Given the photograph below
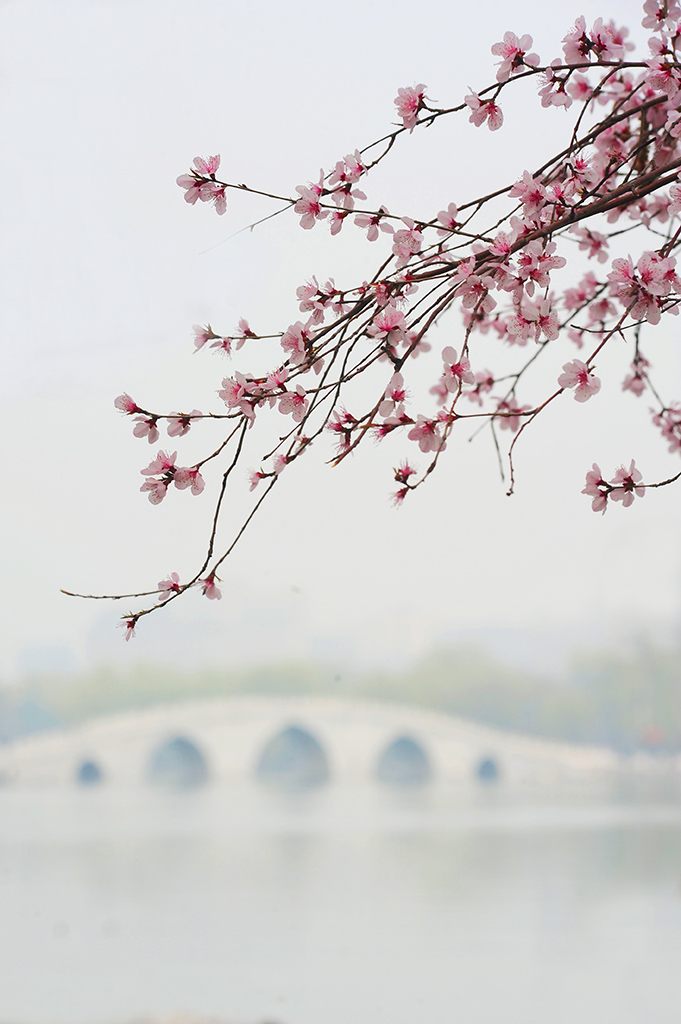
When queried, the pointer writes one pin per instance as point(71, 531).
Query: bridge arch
point(293, 759)
point(404, 762)
point(89, 773)
point(488, 770)
point(230, 736)
point(179, 763)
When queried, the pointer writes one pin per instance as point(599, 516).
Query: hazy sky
point(105, 269)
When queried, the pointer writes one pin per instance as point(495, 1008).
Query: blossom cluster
point(625, 486)
point(200, 183)
point(162, 472)
point(579, 252)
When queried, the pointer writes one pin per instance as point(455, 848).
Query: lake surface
point(341, 906)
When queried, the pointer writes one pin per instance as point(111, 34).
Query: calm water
point(338, 907)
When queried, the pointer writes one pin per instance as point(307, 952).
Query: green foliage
point(625, 701)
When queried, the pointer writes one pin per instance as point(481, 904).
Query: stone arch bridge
point(304, 741)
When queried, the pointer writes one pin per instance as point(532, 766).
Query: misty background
point(105, 269)
point(238, 901)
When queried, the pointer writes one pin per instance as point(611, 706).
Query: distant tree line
point(629, 702)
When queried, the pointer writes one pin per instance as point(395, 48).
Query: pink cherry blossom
point(642, 288)
point(308, 207)
point(669, 422)
point(577, 375)
point(125, 403)
point(294, 403)
point(484, 110)
point(254, 478)
point(509, 413)
point(533, 320)
point(317, 300)
point(192, 478)
point(656, 208)
point(180, 423)
point(192, 186)
point(337, 219)
point(623, 273)
point(344, 195)
point(578, 45)
point(663, 75)
point(574, 298)
point(457, 371)
point(390, 423)
point(161, 472)
point(474, 290)
point(407, 242)
point(156, 490)
point(439, 389)
point(276, 381)
point(244, 332)
point(394, 397)
point(202, 335)
point(342, 424)
point(403, 472)
point(240, 393)
point(296, 341)
point(373, 223)
point(128, 624)
point(402, 475)
point(579, 87)
point(409, 101)
point(636, 380)
point(597, 489)
point(146, 427)
point(531, 193)
point(562, 194)
point(658, 274)
point(536, 262)
point(215, 194)
point(661, 15)
point(520, 328)
point(513, 52)
point(348, 171)
point(607, 42)
point(427, 432)
point(308, 294)
point(388, 325)
point(200, 183)
point(208, 166)
point(447, 219)
point(210, 589)
point(555, 92)
point(484, 382)
point(169, 586)
point(163, 463)
point(626, 485)
point(593, 243)
point(600, 310)
point(223, 345)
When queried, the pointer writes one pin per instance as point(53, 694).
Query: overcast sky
point(105, 269)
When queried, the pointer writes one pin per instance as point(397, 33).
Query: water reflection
point(369, 904)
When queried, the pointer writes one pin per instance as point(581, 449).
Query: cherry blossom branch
point(495, 259)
